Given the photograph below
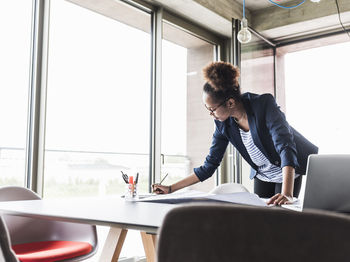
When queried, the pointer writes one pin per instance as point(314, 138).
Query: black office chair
point(221, 232)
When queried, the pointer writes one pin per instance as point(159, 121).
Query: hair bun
point(222, 76)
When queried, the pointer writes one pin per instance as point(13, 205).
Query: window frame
point(38, 83)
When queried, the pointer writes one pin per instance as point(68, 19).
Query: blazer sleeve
point(213, 160)
point(281, 133)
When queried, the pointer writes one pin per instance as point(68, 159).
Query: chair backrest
point(228, 188)
point(221, 232)
point(25, 229)
point(6, 253)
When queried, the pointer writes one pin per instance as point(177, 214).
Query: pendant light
point(244, 36)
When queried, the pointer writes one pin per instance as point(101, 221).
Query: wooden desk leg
point(113, 245)
point(149, 244)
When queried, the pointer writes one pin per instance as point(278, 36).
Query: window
point(15, 20)
point(257, 76)
point(98, 100)
point(317, 92)
point(186, 126)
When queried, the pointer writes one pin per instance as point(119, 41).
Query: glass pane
point(257, 76)
point(317, 91)
point(186, 126)
point(257, 67)
point(98, 100)
point(15, 21)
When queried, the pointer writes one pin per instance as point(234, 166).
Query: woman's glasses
point(212, 111)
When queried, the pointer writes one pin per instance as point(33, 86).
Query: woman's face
point(218, 110)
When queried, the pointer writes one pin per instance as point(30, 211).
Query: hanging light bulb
point(244, 36)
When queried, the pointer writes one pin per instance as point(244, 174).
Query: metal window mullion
point(236, 60)
point(274, 73)
point(156, 81)
point(37, 96)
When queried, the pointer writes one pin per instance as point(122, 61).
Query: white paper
point(177, 197)
point(245, 198)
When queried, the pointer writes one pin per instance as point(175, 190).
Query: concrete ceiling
point(275, 23)
point(254, 5)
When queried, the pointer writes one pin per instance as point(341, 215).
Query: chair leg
point(149, 244)
point(113, 245)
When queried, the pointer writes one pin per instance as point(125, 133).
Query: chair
point(229, 188)
point(6, 253)
point(35, 239)
point(232, 233)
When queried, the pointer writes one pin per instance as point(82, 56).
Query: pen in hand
point(158, 190)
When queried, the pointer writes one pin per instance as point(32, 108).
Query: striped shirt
point(267, 171)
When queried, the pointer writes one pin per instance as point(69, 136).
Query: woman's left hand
point(280, 199)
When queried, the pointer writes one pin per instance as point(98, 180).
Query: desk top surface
point(98, 211)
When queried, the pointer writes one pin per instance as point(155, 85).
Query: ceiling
point(254, 5)
point(275, 23)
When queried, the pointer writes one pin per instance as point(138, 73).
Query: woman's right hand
point(160, 189)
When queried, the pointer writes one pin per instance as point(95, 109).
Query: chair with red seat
point(42, 240)
point(6, 252)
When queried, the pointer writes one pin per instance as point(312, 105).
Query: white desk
point(118, 214)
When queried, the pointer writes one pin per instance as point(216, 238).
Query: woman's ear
point(231, 103)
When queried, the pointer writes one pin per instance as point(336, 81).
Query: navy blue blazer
point(271, 133)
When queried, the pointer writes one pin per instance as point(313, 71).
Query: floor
point(132, 249)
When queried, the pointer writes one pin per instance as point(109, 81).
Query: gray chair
point(6, 252)
point(27, 233)
point(221, 232)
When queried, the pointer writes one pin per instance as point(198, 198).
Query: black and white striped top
point(268, 172)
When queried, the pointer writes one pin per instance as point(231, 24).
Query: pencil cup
point(131, 191)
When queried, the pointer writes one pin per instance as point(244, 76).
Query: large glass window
point(257, 67)
point(257, 76)
point(317, 88)
point(186, 126)
point(98, 100)
point(317, 91)
point(15, 20)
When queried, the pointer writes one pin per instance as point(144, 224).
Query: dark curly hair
point(222, 81)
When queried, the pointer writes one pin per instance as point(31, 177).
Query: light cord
point(336, 1)
point(287, 7)
point(243, 8)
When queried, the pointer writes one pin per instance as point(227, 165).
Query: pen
point(137, 178)
point(160, 183)
point(163, 179)
point(125, 177)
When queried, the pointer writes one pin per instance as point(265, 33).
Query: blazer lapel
point(232, 132)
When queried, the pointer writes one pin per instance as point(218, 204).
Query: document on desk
point(177, 197)
point(245, 198)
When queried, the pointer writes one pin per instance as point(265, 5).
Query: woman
point(258, 129)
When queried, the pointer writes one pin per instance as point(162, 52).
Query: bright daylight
point(174, 131)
